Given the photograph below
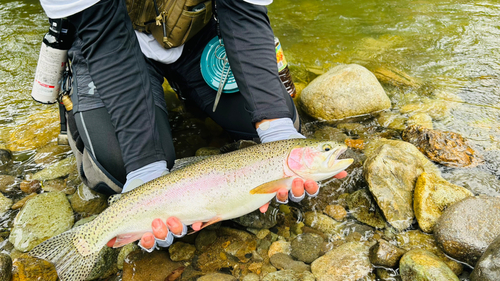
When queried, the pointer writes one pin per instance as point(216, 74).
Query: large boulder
point(391, 174)
point(488, 266)
point(42, 217)
point(466, 228)
point(432, 196)
point(344, 91)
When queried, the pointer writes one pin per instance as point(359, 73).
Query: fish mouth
point(335, 163)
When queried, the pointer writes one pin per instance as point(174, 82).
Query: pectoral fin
point(273, 186)
point(124, 239)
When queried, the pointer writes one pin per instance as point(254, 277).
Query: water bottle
point(284, 72)
point(52, 61)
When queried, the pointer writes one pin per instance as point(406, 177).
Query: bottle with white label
point(52, 61)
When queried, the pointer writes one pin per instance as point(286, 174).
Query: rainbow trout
point(218, 188)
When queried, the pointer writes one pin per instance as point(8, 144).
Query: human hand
point(299, 188)
point(162, 235)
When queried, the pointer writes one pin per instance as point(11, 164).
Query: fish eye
point(327, 147)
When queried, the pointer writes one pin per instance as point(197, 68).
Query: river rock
point(26, 268)
point(284, 261)
point(38, 130)
point(56, 170)
point(385, 254)
point(392, 120)
point(204, 239)
point(155, 266)
point(307, 247)
point(466, 228)
point(329, 97)
point(280, 246)
point(180, 251)
point(105, 264)
point(5, 204)
point(432, 196)
point(217, 277)
point(420, 119)
point(58, 185)
point(436, 109)
point(5, 267)
point(19, 204)
point(488, 266)
point(371, 149)
point(347, 262)
point(50, 153)
point(5, 157)
point(41, 218)
point(395, 77)
point(415, 239)
point(257, 219)
point(289, 275)
point(322, 223)
point(365, 209)
point(330, 133)
point(447, 148)
point(30, 186)
point(88, 202)
point(422, 265)
point(7, 183)
point(336, 211)
point(123, 254)
point(391, 173)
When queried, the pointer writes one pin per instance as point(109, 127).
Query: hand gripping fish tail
point(221, 187)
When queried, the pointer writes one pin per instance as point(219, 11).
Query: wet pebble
point(5, 267)
point(385, 254)
point(284, 261)
point(5, 204)
point(423, 265)
point(280, 246)
point(336, 211)
point(204, 239)
point(364, 208)
point(251, 277)
point(349, 261)
point(289, 275)
point(88, 202)
point(26, 268)
point(180, 251)
point(322, 223)
point(307, 247)
point(155, 266)
point(19, 204)
point(30, 186)
point(217, 277)
point(5, 156)
point(58, 185)
point(124, 252)
point(7, 183)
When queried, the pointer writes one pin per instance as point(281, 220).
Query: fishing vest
point(171, 22)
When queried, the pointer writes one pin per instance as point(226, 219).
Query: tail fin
point(61, 251)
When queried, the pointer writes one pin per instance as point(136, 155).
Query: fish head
point(316, 160)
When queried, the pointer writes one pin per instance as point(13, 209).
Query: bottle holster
point(171, 22)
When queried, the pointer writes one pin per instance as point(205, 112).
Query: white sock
point(143, 175)
point(279, 129)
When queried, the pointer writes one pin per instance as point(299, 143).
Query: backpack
point(171, 22)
